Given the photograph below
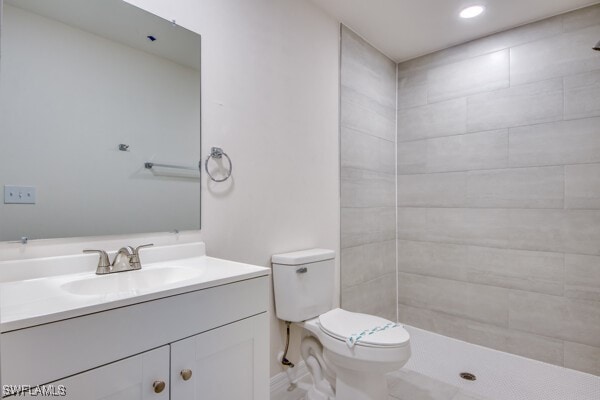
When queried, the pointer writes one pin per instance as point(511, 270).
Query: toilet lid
point(341, 324)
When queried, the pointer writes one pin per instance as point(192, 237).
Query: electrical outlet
point(19, 194)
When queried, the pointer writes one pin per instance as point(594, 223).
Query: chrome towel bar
point(150, 165)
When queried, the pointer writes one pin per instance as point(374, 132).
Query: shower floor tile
point(403, 385)
point(433, 373)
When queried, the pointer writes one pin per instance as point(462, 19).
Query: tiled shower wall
point(499, 191)
point(368, 187)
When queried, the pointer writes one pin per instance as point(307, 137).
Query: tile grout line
point(396, 201)
point(475, 132)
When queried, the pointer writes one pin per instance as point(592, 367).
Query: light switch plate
point(19, 194)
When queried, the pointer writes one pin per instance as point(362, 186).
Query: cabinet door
point(129, 379)
point(230, 362)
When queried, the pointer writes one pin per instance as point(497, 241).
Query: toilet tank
point(304, 283)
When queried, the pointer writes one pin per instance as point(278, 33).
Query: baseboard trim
point(284, 379)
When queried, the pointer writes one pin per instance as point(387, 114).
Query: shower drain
point(468, 376)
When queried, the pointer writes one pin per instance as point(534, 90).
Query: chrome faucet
point(122, 261)
point(126, 259)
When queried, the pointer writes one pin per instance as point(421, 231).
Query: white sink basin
point(132, 282)
point(45, 290)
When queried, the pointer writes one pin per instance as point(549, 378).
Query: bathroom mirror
point(91, 91)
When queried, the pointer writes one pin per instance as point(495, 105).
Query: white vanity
point(185, 326)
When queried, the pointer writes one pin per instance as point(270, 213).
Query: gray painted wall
point(368, 187)
point(499, 191)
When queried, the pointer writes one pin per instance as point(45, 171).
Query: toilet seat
point(383, 352)
point(341, 324)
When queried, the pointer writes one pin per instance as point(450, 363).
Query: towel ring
point(218, 153)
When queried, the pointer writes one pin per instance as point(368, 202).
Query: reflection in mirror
point(90, 91)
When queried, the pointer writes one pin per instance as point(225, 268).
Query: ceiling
point(405, 29)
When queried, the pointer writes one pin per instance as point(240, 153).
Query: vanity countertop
point(41, 300)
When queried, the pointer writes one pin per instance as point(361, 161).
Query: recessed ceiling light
point(472, 12)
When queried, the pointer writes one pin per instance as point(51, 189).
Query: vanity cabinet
point(134, 378)
point(226, 363)
point(220, 334)
point(222, 364)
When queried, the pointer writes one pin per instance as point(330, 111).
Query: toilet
point(346, 353)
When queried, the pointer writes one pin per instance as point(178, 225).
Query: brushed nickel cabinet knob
point(186, 374)
point(159, 386)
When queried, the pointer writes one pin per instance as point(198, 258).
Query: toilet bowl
point(341, 368)
point(360, 370)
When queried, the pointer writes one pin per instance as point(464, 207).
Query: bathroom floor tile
point(403, 385)
point(463, 395)
point(410, 385)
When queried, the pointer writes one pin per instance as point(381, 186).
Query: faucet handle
point(137, 249)
point(103, 262)
point(135, 258)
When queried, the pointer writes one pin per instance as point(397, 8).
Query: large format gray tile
point(439, 260)
point(473, 75)
point(434, 321)
point(361, 188)
point(582, 186)
point(412, 224)
point(477, 302)
point(362, 151)
point(582, 358)
point(367, 262)
point(432, 190)
point(367, 225)
point(376, 297)
point(479, 227)
point(581, 18)
point(541, 272)
point(514, 37)
point(367, 70)
point(537, 347)
point(582, 277)
point(483, 150)
point(411, 157)
point(525, 344)
point(533, 271)
point(582, 95)
point(559, 317)
point(569, 231)
point(555, 56)
point(368, 92)
point(367, 102)
point(409, 385)
point(373, 120)
point(557, 143)
point(412, 89)
point(446, 56)
point(367, 82)
point(518, 188)
point(518, 105)
point(433, 120)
